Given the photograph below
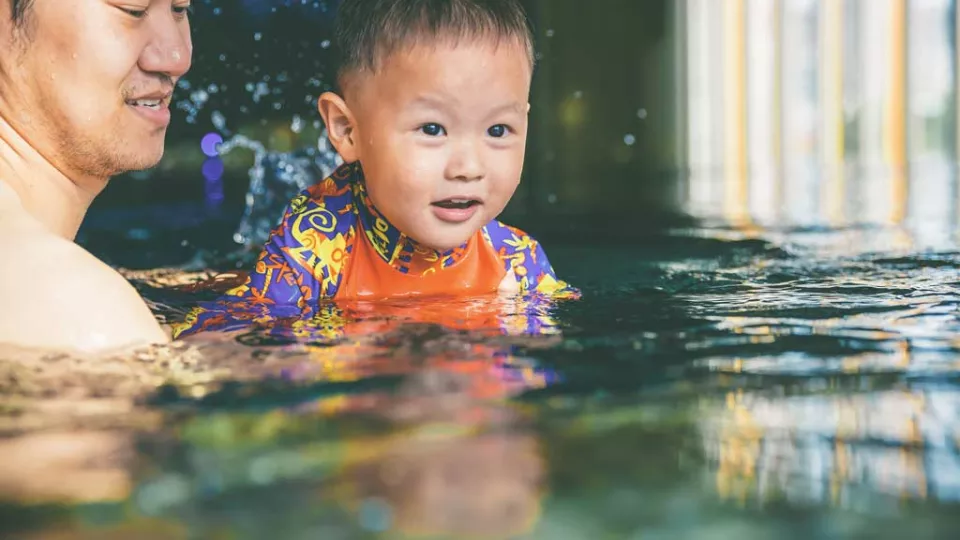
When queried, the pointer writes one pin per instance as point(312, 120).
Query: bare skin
point(85, 89)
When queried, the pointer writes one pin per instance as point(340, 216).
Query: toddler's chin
point(446, 243)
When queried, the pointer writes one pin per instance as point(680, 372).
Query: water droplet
point(642, 114)
point(629, 139)
point(218, 120)
point(550, 32)
point(552, 198)
point(257, 36)
point(325, 44)
point(578, 94)
point(297, 124)
point(199, 97)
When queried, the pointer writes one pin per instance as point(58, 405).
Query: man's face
point(88, 82)
point(441, 136)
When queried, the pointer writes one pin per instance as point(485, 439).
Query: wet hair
point(20, 8)
point(367, 31)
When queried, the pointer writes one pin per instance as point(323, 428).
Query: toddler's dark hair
point(369, 30)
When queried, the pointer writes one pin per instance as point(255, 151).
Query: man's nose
point(466, 162)
point(170, 49)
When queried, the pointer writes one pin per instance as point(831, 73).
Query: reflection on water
point(744, 381)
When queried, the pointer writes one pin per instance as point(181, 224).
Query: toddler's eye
point(498, 131)
point(433, 130)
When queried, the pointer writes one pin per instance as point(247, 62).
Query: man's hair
point(367, 31)
point(20, 8)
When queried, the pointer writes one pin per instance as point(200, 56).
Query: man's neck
point(47, 194)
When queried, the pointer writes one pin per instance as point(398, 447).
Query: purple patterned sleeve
point(523, 255)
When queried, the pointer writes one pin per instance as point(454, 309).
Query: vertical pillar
point(735, 125)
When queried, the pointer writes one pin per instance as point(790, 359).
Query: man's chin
point(146, 159)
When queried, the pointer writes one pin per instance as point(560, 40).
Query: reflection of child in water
point(487, 486)
point(457, 467)
point(431, 121)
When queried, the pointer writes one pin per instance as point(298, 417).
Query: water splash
point(275, 178)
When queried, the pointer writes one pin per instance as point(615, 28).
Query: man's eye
point(433, 130)
point(183, 10)
point(498, 131)
point(135, 13)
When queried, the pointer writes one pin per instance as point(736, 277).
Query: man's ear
point(341, 125)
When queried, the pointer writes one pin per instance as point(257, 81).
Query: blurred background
point(750, 113)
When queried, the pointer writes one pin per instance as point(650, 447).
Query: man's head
point(87, 83)
point(434, 106)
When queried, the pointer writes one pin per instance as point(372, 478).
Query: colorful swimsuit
point(332, 244)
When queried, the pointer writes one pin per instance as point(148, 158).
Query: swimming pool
point(724, 379)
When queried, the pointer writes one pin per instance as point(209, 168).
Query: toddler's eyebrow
point(429, 101)
point(509, 107)
point(439, 103)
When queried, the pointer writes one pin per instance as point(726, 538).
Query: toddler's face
point(441, 132)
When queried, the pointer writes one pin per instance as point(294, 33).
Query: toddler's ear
point(341, 125)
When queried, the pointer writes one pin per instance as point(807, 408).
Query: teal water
point(711, 383)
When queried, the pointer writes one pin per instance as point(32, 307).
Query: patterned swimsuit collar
point(401, 252)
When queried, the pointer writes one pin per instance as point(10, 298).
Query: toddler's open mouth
point(456, 209)
point(458, 204)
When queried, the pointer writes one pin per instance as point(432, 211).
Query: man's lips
point(154, 99)
point(154, 107)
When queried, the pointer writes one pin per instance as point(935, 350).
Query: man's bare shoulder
point(56, 295)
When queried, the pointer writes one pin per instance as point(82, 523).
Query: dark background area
point(600, 153)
